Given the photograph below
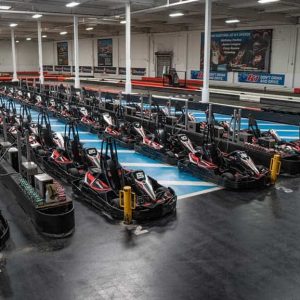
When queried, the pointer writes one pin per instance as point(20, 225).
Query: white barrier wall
point(185, 47)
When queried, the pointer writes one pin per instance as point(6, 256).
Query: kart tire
point(260, 167)
point(228, 176)
point(73, 171)
point(170, 154)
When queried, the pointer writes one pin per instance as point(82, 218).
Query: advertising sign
point(99, 70)
point(48, 68)
point(138, 71)
point(216, 76)
point(67, 69)
point(262, 78)
point(85, 69)
point(58, 68)
point(246, 50)
point(111, 70)
point(62, 54)
point(105, 52)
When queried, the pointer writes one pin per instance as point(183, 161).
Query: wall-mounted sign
point(105, 52)
point(110, 70)
point(122, 71)
point(246, 50)
point(58, 68)
point(62, 54)
point(48, 68)
point(99, 70)
point(67, 69)
point(216, 76)
point(85, 69)
point(138, 71)
point(262, 78)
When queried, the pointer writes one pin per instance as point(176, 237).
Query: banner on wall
point(85, 69)
point(216, 76)
point(48, 68)
point(237, 51)
point(99, 70)
point(122, 71)
point(67, 69)
point(110, 70)
point(259, 78)
point(62, 54)
point(105, 52)
point(138, 71)
point(58, 68)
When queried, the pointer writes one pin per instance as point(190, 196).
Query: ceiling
point(147, 16)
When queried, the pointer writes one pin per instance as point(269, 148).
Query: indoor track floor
point(222, 245)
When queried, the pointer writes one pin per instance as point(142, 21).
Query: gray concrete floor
point(222, 245)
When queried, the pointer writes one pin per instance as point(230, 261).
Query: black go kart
point(100, 188)
point(234, 171)
point(152, 145)
point(121, 131)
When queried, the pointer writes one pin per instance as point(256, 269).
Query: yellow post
point(128, 201)
point(275, 167)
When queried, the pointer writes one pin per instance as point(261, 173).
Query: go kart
point(235, 170)
point(151, 145)
point(100, 188)
point(122, 132)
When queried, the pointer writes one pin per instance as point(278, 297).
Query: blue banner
point(262, 78)
point(216, 76)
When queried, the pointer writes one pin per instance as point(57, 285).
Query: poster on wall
point(138, 71)
point(105, 52)
point(85, 69)
point(258, 78)
point(62, 54)
point(238, 51)
point(48, 68)
point(216, 76)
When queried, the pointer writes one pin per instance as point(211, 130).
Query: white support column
point(76, 53)
point(128, 49)
point(14, 60)
point(40, 52)
point(207, 41)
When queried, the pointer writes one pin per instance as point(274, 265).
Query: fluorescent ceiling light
point(123, 22)
point(72, 4)
point(13, 25)
point(28, 39)
point(36, 16)
point(232, 21)
point(63, 33)
point(182, 2)
point(267, 1)
point(17, 41)
point(178, 14)
point(89, 28)
point(44, 36)
point(5, 7)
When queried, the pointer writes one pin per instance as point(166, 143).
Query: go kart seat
point(114, 174)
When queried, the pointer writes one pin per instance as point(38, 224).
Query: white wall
point(285, 58)
point(27, 56)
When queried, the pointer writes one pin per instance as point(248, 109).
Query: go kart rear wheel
point(228, 176)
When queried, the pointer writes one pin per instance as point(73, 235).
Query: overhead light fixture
point(182, 2)
point(232, 21)
point(267, 1)
point(44, 36)
point(72, 4)
point(37, 16)
point(123, 22)
point(178, 14)
point(17, 41)
point(28, 39)
point(13, 25)
point(89, 28)
point(63, 33)
point(5, 7)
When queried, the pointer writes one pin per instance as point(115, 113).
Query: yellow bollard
point(275, 167)
point(128, 201)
